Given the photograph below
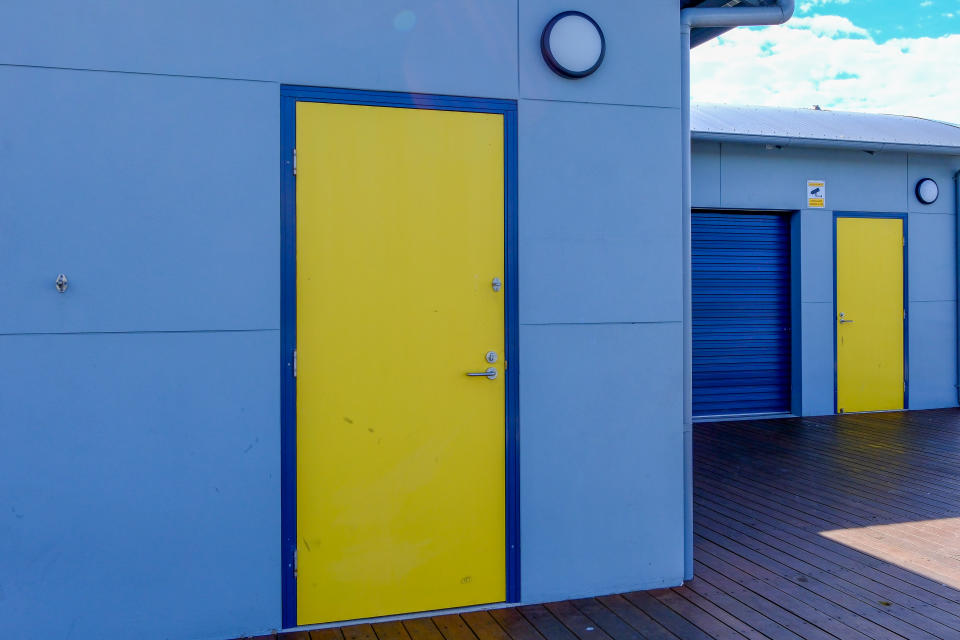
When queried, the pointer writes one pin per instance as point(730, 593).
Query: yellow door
point(870, 314)
point(400, 454)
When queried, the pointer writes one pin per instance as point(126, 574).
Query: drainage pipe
point(690, 18)
point(956, 206)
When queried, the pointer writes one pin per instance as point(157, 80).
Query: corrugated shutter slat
point(741, 313)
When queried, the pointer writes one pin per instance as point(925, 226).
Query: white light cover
point(927, 191)
point(575, 43)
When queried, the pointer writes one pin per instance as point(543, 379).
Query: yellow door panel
point(400, 455)
point(870, 314)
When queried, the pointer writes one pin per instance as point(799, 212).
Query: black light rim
point(916, 190)
point(548, 55)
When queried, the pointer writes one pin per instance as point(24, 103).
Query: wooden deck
point(839, 527)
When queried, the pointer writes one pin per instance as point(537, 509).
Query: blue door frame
point(906, 301)
point(289, 96)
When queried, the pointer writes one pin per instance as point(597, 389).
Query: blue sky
point(886, 19)
point(885, 56)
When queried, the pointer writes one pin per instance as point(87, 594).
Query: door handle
point(842, 319)
point(489, 374)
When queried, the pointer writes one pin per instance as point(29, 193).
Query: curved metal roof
point(822, 128)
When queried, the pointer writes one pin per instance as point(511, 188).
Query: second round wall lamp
point(927, 191)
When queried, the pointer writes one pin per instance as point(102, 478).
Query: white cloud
point(828, 60)
point(809, 4)
point(926, 3)
point(830, 26)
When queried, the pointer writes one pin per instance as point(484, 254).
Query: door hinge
point(294, 162)
point(903, 241)
point(294, 363)
point(296, 563)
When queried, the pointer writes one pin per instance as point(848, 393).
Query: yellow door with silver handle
point(400, 360)
point(870, 314)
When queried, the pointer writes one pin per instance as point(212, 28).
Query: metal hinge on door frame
point(296, 563)
point(294, 363)
point(294, 162)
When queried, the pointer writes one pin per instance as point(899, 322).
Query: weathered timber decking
point(837, 527)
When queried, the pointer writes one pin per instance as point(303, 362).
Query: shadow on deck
point(836, 527)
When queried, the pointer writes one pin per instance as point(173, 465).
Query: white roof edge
point(825, 143)
point(823, 128)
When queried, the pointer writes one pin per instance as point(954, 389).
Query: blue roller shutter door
point(741, 313)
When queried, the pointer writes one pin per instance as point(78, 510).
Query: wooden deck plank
point(752, 616)
point(515, 624)
point(706, 622)
point(359, 632)
point(731, 621)
point(545, 622)
point(453, 627)
point(808, 603)
point(574, 619)
point(607, 620)
point(769, 605)
point(330, 633)
point(676, 623)
point(392, 630)
point(637, 618)
point(827, 585)
point(484, 626)
point(422, 629)
point(891, 575)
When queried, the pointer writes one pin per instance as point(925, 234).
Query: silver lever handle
point(489, 374)
point(842, 320)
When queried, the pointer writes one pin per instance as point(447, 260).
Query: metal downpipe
point(689, 18)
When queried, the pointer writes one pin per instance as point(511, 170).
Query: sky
point(881, 56)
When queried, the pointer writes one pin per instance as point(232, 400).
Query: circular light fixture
point(927, 191)
point(572, 43)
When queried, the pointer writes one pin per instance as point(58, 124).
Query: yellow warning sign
point(816, 194)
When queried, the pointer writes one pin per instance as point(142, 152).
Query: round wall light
point(927, 191)
point(572, 43)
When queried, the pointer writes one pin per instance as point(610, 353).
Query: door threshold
point(401, 616)
point(851, 413)
point(731, 417)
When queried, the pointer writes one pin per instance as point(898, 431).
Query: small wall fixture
point(61, 283)
point(573, 45)
point(927, 191)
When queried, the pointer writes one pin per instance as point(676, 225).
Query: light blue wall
point(601, 309)
point(140, 478)
point(753, 177)
point(139, 412)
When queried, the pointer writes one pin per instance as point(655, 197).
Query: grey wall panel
point(599, 224)
point(818, 358)
point(139, 475)
point(156, 196)
point(940, 168)
point(933, 355)
point(642, 65)
point(706, 174)
point(816, 255)
point(757, 178)
point(931, 252)
point(454, 46)
point(601, 482)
